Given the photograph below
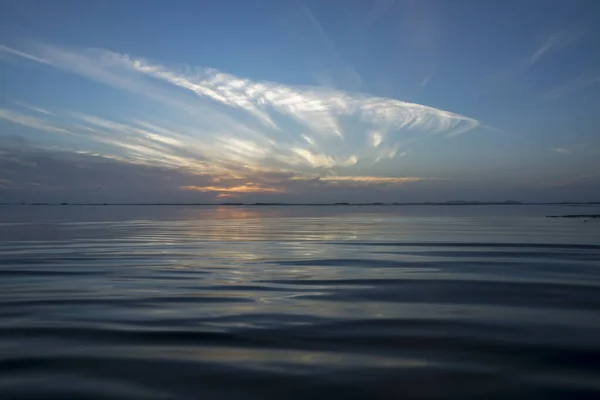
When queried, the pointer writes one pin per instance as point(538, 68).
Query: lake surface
point(348, 302)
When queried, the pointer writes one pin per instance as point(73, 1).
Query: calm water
point(299, 303)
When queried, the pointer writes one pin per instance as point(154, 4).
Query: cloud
point(369, 180)
point(561, 150)
point(237, 130)
point(313, 107)
point(31, 122)
point(33, 174)
point(34, 108)
point(247, 188)
point(425, 81)
point(517, 76)
point(376, 138)
point(344, 74)
point(338, 181)
point(38, 174)
point(292, 125)
point(581, 82)
point(13, 52)
point(552, 43)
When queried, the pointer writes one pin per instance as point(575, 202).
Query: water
point(299, 303)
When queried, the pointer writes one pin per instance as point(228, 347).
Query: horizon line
point(424, 203)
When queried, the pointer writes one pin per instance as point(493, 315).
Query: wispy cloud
point(344, 73)
point(5, 50)
point(370, 180)
point(237, 127)
point(561, 150)
point(34, 108)
point(425, 81)
point(552, 43)
point(581, 82)
point(517, 75)
point(31, 122)
point(316, 110)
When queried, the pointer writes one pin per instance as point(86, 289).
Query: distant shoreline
point(586, 216)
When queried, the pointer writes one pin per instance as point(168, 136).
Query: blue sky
point(299, 100)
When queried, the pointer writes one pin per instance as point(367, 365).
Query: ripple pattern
point(269, 303)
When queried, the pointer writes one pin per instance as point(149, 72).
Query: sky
point(299, 101)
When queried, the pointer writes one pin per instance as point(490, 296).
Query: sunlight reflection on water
point(346, 302)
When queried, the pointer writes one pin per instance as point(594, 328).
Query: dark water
point(299, 303)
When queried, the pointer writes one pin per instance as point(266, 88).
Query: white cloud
point(31, 122)
point(237, 123)
point(318, 109)
point(308, 139)
point(34, 108)
point(376, 138)
point(13, 52)
point(315, 160)
point(348, 162)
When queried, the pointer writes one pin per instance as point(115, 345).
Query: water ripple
point(255, 303)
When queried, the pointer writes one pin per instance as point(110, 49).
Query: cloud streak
point(370, 180)
point(553, 43)
point(581, 82)
point(517, 75)
point(34, 108)
point(237, 127)
point(31, 122)
point(316, 108)
point(9, 51)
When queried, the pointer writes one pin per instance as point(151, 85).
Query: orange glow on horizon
point(233, 190)
point(226, 195)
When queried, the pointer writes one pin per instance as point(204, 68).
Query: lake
point(299, 302)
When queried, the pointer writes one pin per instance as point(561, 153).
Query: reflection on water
point(298, 302)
